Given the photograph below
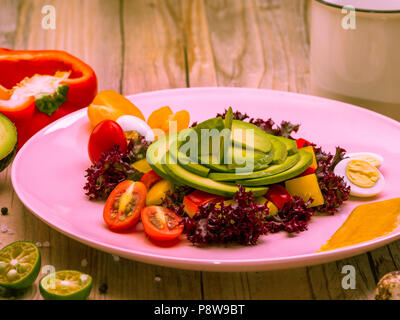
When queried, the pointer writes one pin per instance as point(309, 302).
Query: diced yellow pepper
point(306, 187)
point(142, 166)
point(157, 193)
point(273, 209)
point(310, 149)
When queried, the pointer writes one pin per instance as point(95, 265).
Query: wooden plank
point(153, 46)
point(88, 29)
point(201, 72)
point(154, 59)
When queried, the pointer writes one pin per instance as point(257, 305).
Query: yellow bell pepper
point(162, 119)
point(158, 192)
point(306, 187)
point(110, 105)
point(142, 166)
point(273, 209)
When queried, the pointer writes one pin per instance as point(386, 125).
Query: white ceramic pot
point(355, 55)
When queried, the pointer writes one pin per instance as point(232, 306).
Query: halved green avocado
point(271, 170)
point(303, 163)
point(261, 141)
point(8, 141)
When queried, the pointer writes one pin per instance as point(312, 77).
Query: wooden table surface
point(143, 45)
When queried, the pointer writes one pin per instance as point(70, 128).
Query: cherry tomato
point(150, 178)
point(197, 198)
point(161, 223)
point(124, 204)
point(104, 136)
point(278, 195)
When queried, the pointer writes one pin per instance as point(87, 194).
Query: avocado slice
point(271, 170)
point(280, 150)
point(185, 177)
point(155, 154)
point(215, 127)
point(303, 163)
point(291, 145)
point(187, 163)
point(184, 159)
point(8, 141)
point(261, 141)
point(213, 163)
point(242, 159)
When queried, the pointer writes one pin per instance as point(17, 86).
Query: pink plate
point(48, 176)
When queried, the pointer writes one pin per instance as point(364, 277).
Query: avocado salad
point(228, 179)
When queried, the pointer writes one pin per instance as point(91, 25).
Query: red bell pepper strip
point(197, 198)
point(278, 195)
point(32, 111)
point(150, 178)
point(301, 143)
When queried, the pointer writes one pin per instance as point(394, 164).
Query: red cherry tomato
point(104, 136)
point(278, 195)
point(150, 178)
point(161, 223)
point(124, 204)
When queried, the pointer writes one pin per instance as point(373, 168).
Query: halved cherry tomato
point(161, 223)
point(124, 204)
point(278, 195)
point(150, 178)
point(197, 198)
point(104, 136)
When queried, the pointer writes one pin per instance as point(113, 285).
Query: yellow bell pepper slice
point(157, 193)
point(110, 105)
point(306, 187)
point(142, 166)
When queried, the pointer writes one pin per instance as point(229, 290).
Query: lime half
point(66, 285)
point(19, 265)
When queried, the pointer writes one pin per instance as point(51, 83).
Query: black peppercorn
point(103, 288)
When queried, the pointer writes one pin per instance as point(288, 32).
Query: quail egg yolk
point(362, 173)
point(368, 158)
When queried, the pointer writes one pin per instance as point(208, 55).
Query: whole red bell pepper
point(40, 86)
